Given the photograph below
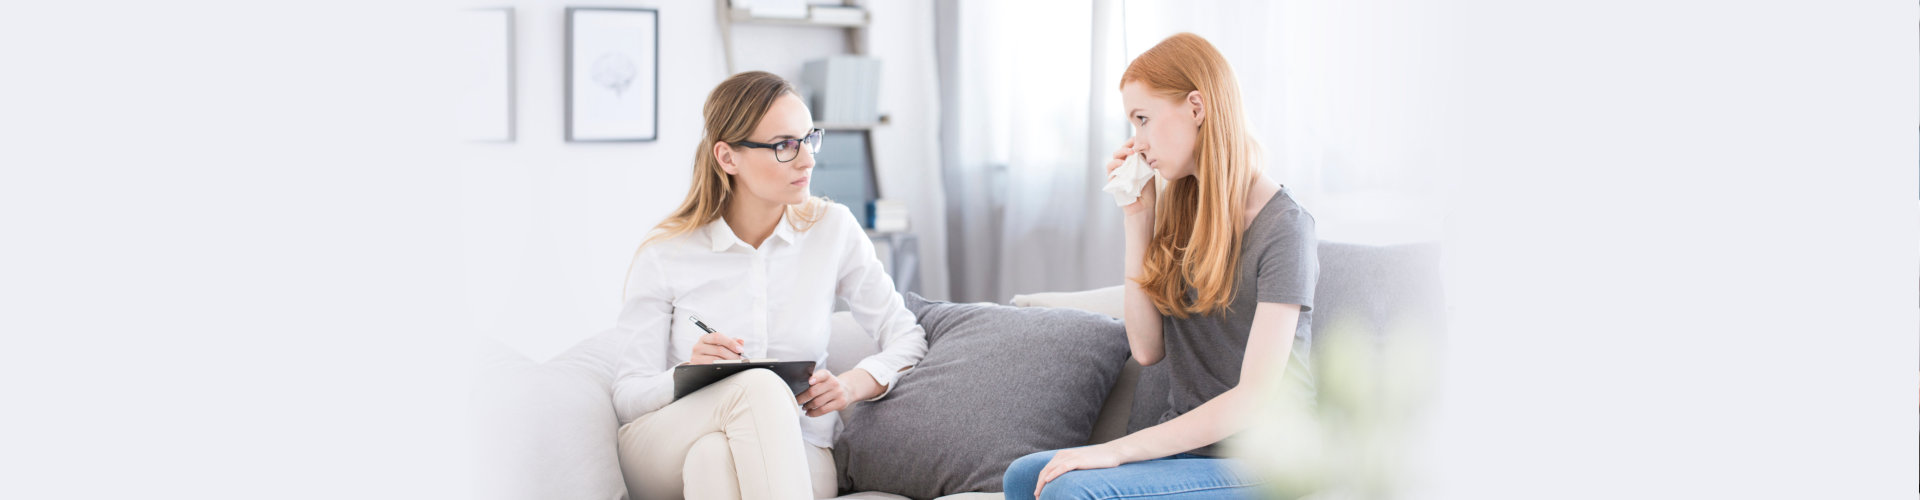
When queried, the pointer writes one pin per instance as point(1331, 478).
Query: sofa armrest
point(849, 343)
point(1108, 301)
point(542, 430)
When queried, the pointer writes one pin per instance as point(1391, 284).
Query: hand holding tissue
point(1126, 183)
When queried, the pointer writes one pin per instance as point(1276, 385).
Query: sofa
point(547, 430)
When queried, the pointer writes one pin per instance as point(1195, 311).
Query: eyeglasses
point(787, 150)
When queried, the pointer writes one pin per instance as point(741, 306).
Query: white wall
point(550, 226)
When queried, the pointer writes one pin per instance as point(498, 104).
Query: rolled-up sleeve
point(645, 380)
point(879, 309)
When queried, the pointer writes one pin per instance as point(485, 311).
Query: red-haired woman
point(1220, 268)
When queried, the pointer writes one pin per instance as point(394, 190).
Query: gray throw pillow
point(998, 383)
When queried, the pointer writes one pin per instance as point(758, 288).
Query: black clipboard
point(689, 378)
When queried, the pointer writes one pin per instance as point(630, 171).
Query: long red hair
point(1196, 238)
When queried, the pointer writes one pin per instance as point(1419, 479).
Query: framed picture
point(613, 74)
point(486, 101)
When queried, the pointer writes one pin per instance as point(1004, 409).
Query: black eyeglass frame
point(811, 141)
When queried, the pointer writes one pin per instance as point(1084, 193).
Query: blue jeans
point(1184, 476)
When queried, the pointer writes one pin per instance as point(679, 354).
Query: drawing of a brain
point(615, 71)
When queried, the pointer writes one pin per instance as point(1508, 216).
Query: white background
point(486, 93)
point(1681, 248)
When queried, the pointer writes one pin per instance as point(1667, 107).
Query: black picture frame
point(580, 128)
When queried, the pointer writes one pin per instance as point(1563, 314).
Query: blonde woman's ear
point(723, 154)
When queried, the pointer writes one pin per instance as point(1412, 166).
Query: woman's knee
point(762, 385)
point(1023, 474)
point(709, 470)
point(1073, 485)
point(710, 450)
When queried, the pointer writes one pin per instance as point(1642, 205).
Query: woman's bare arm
point(1142, 320)
point(1268, 345)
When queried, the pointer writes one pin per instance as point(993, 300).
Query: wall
point(549, 226)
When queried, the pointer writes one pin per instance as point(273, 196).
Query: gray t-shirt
point(1278, 263)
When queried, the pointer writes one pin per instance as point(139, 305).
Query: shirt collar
point(723, 238)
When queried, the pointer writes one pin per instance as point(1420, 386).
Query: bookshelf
point(743, 16)
point(732, 17)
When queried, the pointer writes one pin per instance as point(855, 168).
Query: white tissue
point(1126, 183)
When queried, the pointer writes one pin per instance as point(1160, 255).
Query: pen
point(704, 328)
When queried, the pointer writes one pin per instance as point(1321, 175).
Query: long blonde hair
point(1196, 238)
point(732, 111)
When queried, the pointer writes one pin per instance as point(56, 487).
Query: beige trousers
point(738, 438)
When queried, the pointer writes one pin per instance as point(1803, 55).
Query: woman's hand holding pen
point(717, 346)
point(714, 346)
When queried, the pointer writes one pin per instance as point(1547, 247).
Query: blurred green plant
point(1351, 440)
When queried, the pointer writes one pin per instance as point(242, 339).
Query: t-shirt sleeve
point(1290, 266)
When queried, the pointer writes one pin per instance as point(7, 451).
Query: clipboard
point(690, 378)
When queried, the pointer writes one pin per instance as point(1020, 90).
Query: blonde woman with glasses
point(762, 262)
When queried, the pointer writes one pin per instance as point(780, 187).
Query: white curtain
point(908, 149)
point(1027, 114)
point(1030, 111)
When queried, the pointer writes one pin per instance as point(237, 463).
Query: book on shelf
point(844, 88)
point(781, 9)
point(887, 216)
point(843, 14)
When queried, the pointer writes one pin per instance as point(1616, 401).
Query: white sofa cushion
point(849, 343)
point(1109, 301)
point(545, 430)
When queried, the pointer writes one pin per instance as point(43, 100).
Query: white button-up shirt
point(778, 298)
